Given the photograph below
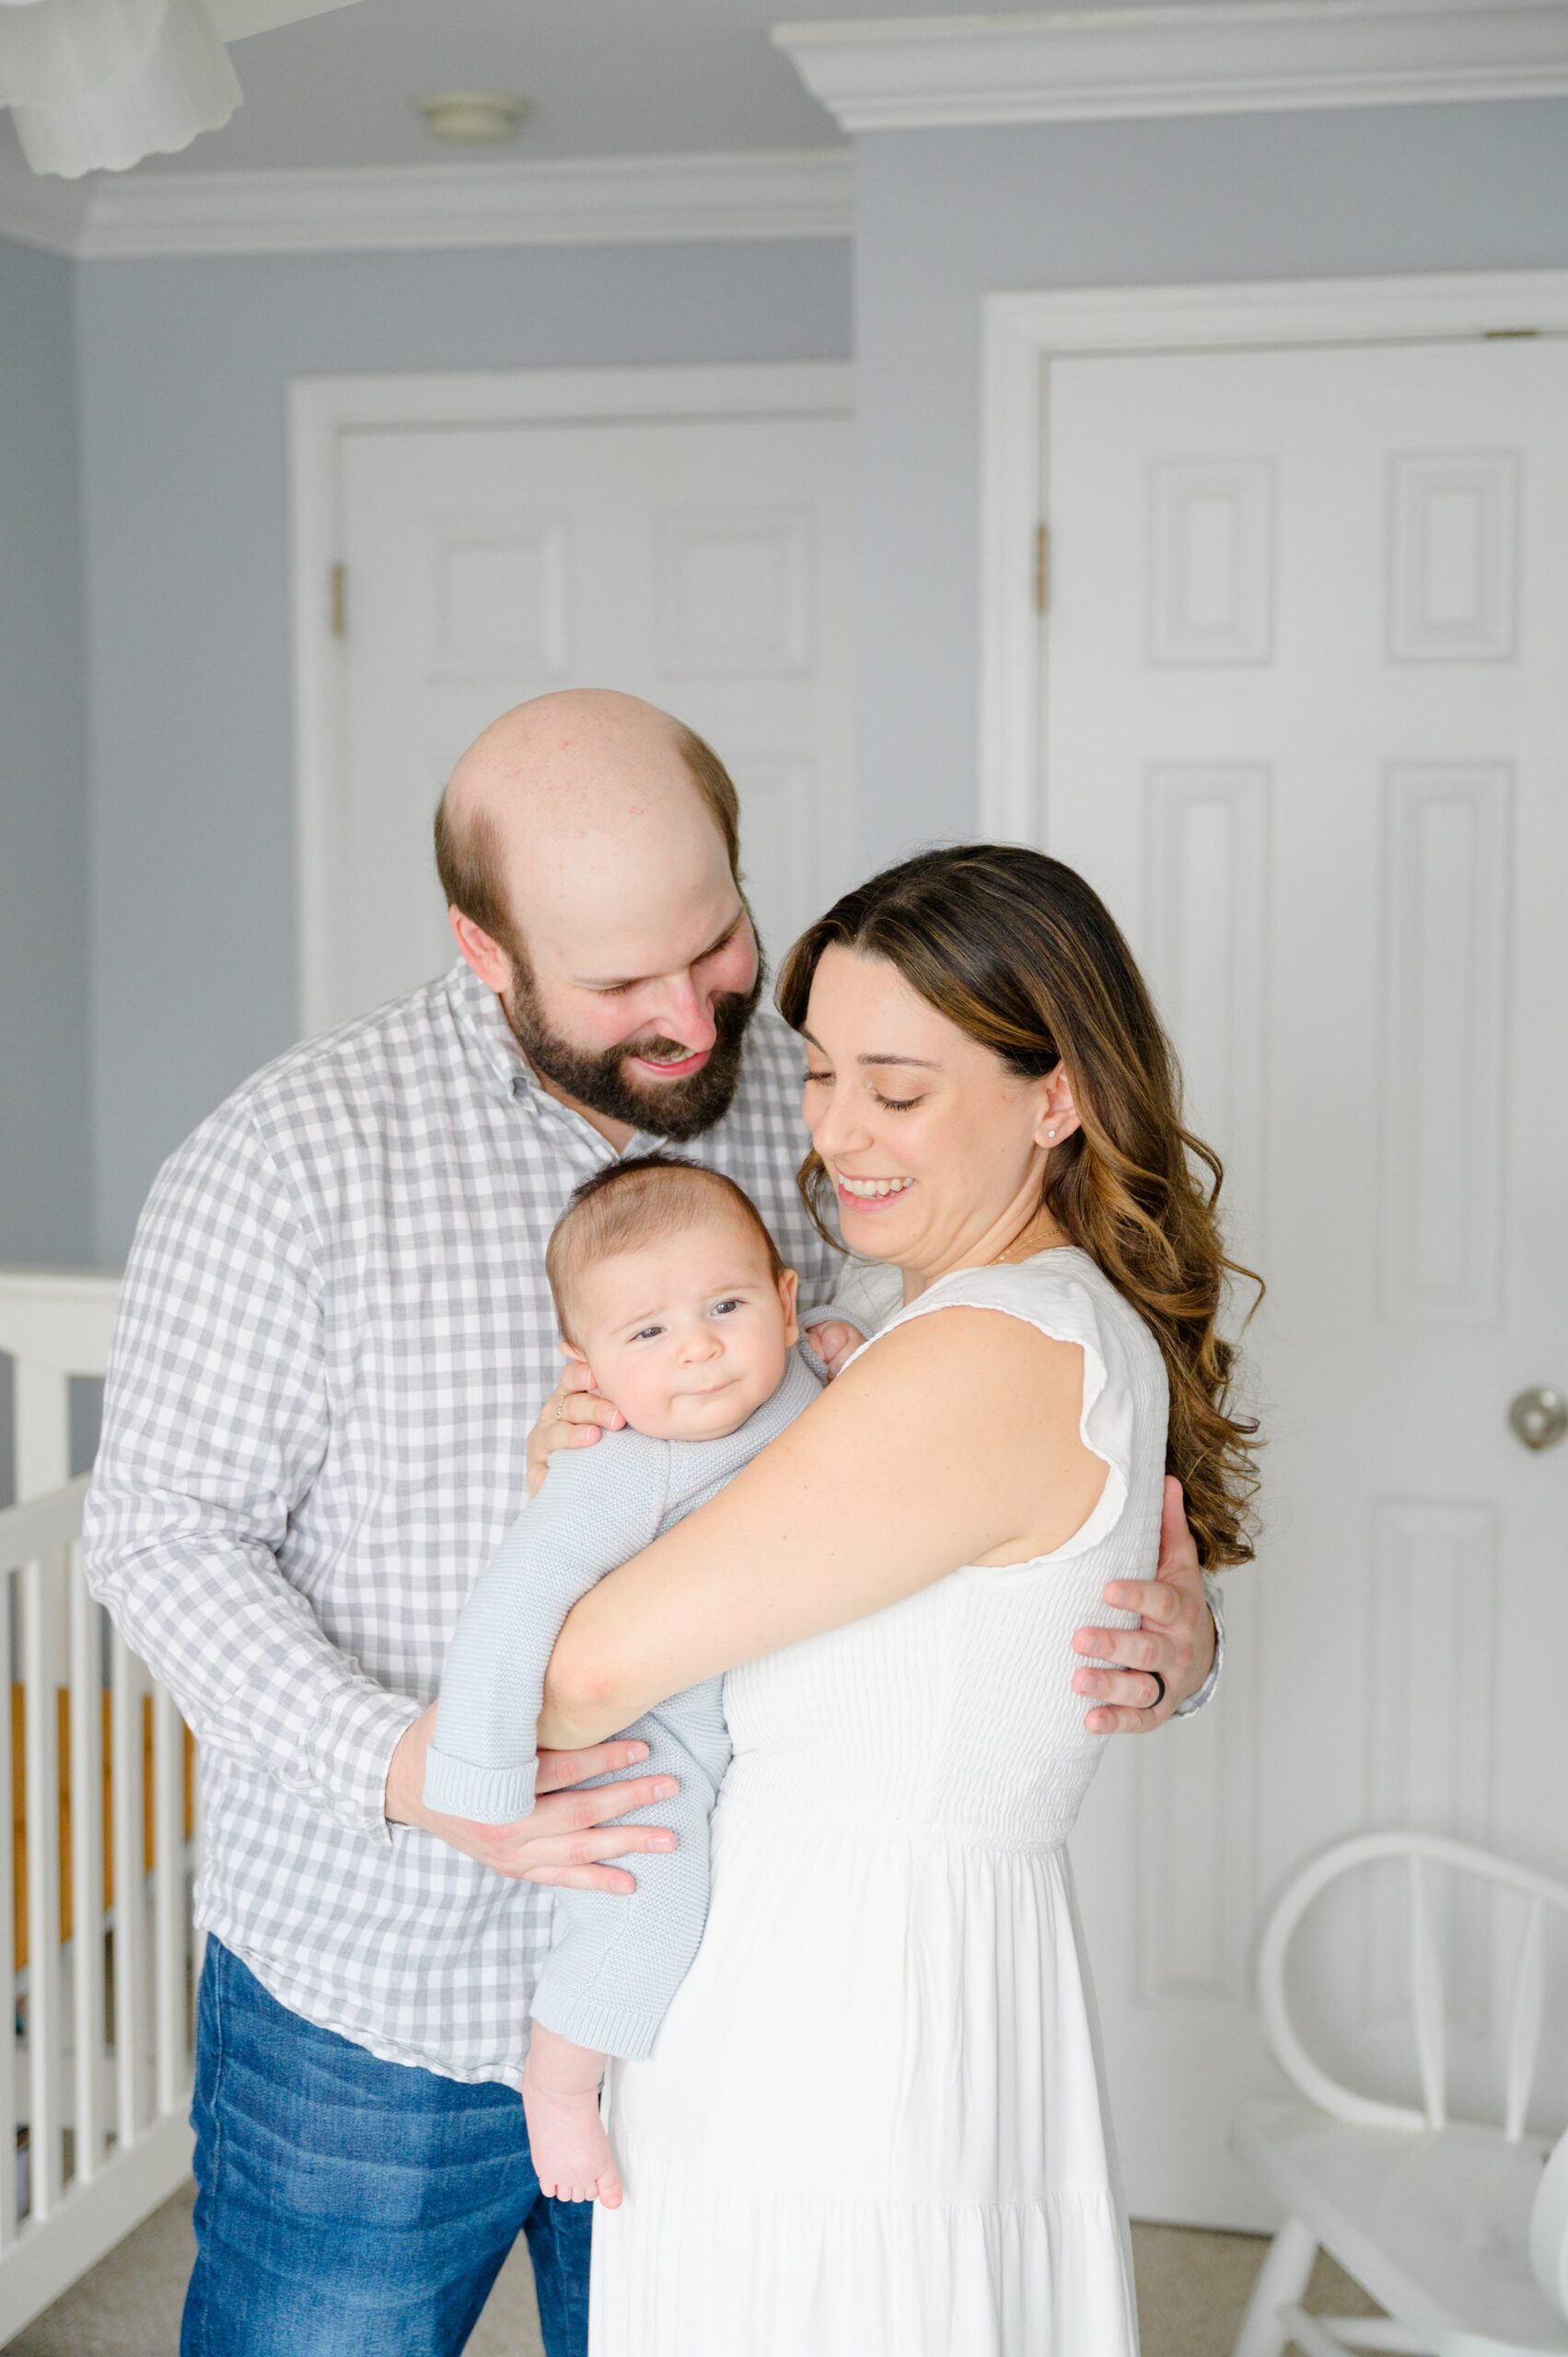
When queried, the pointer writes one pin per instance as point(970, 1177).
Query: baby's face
point(688, 1336)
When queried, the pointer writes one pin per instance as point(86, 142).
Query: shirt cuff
point(1205, 1692)
point(484, 1796)
point(350, 1750)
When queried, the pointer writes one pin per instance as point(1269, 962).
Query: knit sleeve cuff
point(587, 2021)
point(484, 1796)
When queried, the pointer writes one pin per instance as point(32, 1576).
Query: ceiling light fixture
point(473, 118)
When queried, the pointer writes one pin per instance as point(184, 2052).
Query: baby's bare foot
point(571, 2152)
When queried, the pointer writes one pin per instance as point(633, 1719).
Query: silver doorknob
point(1539, 1417)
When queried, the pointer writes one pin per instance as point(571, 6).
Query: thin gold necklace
point(1024, 1247)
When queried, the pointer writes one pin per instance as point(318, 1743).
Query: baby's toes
point(609, 2190)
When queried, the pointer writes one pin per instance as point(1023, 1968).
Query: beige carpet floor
point(1192, 2288)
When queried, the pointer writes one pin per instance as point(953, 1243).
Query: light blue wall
point(183, 370)
point(945, 217)
point(45, 1102)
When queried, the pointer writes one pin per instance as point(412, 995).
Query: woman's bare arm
point(954, 1441)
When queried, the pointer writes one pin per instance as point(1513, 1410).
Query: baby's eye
point(722, 1308)
point(646, 1333)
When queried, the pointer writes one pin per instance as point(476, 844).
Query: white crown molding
point(616, 199)
point(1182, 57)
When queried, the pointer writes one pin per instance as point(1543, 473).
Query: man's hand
point(575, 1414)
point(568, 1837)
point(1174, 1635)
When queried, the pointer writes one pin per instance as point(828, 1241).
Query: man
point(334, 1336)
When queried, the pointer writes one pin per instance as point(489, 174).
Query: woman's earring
point(1051, 1136)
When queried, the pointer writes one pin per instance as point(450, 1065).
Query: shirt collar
point(507, 1072)
point(478, 1010)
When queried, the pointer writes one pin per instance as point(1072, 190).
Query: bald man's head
point(591, 750)
point(588, 846)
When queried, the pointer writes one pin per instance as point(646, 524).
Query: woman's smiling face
point(935, 1148)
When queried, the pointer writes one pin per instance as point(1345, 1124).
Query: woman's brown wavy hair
point(1024, 956)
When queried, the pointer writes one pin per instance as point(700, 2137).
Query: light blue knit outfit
point(615, 1962)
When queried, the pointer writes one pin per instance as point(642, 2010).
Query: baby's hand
point(572, 1417)
point(566, 2140)
point(833, 1340)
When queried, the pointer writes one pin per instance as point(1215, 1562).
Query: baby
point(667, 1283)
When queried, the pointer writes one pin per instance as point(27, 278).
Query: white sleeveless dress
point(874, 2124)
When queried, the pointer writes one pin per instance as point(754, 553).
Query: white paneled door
point(1306, 725)
point(700, 561)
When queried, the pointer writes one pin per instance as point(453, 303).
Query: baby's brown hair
point(637, 1201)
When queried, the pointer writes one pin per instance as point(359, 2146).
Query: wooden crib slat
point(86, 1870)
point(130, 1933)
point(7, 1948)
point(169, 1901)
point(41, 1583)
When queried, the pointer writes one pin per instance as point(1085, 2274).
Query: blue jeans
point(347, 2207)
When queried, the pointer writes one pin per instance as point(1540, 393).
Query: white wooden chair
point(1459, 2231)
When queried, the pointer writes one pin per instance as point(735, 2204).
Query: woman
point(874, 2123)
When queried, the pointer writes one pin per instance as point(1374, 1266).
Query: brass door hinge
point(1042, 567)
point(340, 600)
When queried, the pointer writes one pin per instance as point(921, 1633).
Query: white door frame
point(1022, 333)
point(323, 409)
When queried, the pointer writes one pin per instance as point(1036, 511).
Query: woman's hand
point(572, 1417)
point(568, 1837)
point(1174, 1635)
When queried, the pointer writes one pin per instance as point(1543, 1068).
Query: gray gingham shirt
point(335, 1335)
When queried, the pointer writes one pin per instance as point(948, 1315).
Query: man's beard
point(679, 1108)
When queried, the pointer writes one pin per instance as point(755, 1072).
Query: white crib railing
point(54, 1323)
point(96, 1854)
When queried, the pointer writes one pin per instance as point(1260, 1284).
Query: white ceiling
point(607, 77)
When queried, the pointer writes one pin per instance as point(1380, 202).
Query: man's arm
point(214, 1425)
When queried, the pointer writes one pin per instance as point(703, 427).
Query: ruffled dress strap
point(1066, 1296)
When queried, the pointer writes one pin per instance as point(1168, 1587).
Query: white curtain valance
point(99, 83)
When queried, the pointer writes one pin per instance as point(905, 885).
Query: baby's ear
point(789, 1290)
